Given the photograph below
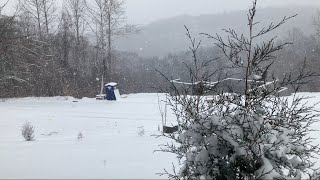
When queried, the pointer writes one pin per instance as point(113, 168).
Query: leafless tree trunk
point(42, 11)
point(98, 15)
point(2, 6)
point(64, 29)
point(109, 57)
point(48, 9)
point(109, 15)
point(316, 22)
point(75, 8)
point(33, 7)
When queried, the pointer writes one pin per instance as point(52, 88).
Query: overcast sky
point(146, 11)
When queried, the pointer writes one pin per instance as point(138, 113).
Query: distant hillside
point(168, 35)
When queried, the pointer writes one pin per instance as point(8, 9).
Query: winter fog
point(159, 89)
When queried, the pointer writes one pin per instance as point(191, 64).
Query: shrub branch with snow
point(254, 135)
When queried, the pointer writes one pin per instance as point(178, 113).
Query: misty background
point(68, 65)
point(143, 12)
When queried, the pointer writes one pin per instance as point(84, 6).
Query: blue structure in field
point(110, 87)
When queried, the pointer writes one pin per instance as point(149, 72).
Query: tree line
point(69, 51)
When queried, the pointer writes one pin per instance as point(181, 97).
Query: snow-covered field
point(111, 147)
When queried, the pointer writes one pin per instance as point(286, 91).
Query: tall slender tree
point(48, 8)
point(110, 20)
point(32, 7)
point(76, 10)
point(42, 13)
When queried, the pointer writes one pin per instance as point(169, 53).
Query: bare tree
point(109, 18)
point(64, 34)
point(33, 8)
point(2, 6)
point(42, 11)
point(116, 27)
point(48, 9)
point(243, 52)
point(316, 21)
point(76, 10)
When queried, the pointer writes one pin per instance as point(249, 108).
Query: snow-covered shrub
point(27, 131)
point(232, 141)
point(254, 135)
point(141, 131)
point(80, 136)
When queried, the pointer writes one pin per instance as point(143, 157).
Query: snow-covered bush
point(141, 130)
point(232, 141)
point(254, 135)
point(80, 136)
point(27, 131)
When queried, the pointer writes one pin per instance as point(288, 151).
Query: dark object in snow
point(110, 87)
point(169, 130)
point(100, 97)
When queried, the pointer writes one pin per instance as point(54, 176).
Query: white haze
point(146, 11)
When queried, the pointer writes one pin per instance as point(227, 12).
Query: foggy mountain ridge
point(168, 35)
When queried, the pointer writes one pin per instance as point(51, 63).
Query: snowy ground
point(111, 146)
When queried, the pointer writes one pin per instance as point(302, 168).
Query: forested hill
point(168, 35)
point(64, 60)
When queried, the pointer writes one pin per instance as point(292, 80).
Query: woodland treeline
point(65, 51)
